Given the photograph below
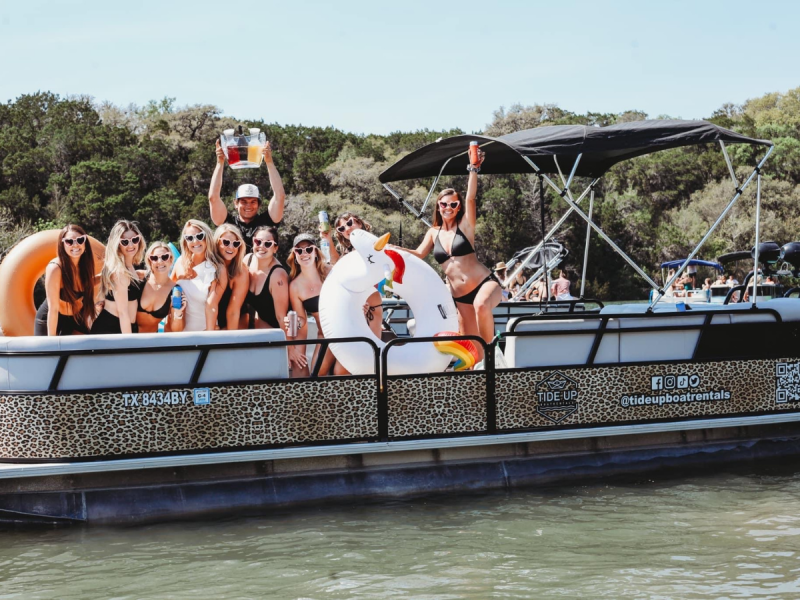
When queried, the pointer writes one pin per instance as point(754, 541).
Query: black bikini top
point(159, 313)
point(311, 304)
point(460, 247)
point(263, 302)
point(135, 289)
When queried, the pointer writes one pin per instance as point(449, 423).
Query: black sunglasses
point(78, 240)
point(452, 204)
point(198, 236)
point(164, 257)
point(134, 240)
point(341, 228)
point(307, 249)
point(265, 243)
point(226, 243)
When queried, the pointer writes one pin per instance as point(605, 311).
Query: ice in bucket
point(243, 150)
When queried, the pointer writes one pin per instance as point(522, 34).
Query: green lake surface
point(717, 535)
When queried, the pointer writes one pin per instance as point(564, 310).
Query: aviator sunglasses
point(265, 243)
point(452, 204)
point(341, 228)
point(198, 236)
point(134, 240)
point(307, 249)
point(155, 257)
point(78, 240)
point(227, 243)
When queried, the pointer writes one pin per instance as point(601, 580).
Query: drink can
point(324, 221)
point(473, 153)
point(292, 332)
point(176, 296)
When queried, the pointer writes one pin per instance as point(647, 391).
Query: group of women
point(222, 287)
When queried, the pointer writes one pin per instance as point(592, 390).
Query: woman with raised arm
point(268, 294)
point(120, 284)
point(231, 248)
point(69, 283)
point(202, 276)
point(344, 225)
point(156, 302)
point(308, 272)
point(476, 290)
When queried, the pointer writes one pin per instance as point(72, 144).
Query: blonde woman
point(156, 301)
point(120, 284)
point(202, 276)
point(269, 282)
point(231, 247)
point(307, 272)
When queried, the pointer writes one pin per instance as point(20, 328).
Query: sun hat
point(304, 237)
point(247, 190)
point(500, 266)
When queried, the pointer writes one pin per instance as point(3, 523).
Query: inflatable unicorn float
point(372, 265)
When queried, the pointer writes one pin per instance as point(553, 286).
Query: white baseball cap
point(247, 190)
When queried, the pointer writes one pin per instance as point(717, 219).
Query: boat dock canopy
point(601, 148)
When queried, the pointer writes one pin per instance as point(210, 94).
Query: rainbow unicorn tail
point(463, 350)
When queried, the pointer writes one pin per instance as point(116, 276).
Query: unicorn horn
point(382, 241)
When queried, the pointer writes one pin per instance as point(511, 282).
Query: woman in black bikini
point(69, 282)
point(269, 283)
point(231, 248)
point(308, 271)
point(476, 290)
point(156, 301)
point(119, 281)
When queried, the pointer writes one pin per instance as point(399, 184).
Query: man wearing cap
point(248, 200)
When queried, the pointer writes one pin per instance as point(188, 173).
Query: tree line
point(70, 159)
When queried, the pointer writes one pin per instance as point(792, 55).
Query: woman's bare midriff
point(464, 273)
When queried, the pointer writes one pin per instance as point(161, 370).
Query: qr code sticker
point(788, 382)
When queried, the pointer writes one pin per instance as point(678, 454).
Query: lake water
point(728, 535)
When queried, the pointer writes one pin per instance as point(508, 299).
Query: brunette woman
point(156, 301)
point(119, 281)
point(269, 282)
point(344, 225)
point(69, 283)
point(476, 290)
point(202, 276)
point(308, 271)
point(231, 248)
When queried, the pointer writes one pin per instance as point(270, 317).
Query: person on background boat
point(476, 290)
point(120, 283)
point(69, 282)
point(560, 287)
point(231, 248)
point(537, 291)
point(248, 200)
point(307, 273)
point(343, 226)
point(268, 291)
point(155, 305)
point(202, 276)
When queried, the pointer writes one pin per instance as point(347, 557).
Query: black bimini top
point(600, 147)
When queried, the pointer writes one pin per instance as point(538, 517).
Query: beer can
point(324, 221)
point(473, 153)
point(292, 332)
point(176, 297)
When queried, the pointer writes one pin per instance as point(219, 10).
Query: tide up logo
point(556, 397)
point(463, 350)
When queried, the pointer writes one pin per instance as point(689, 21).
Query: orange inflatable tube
point(19, 272)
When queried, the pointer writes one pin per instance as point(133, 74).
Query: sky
point(376, 66)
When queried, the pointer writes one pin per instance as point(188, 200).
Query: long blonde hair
point(237, 264)
point(114, 263)
point(211, 255)
point(294, 268)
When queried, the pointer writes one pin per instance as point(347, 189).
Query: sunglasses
point(198, 236)
point(341, 228)
point(155, 257)
point(78, 240)
point(227, 243)
point(134, 240)
point(307, 250)
point(452, 204)
point(265, 243)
